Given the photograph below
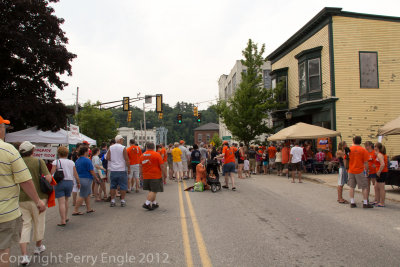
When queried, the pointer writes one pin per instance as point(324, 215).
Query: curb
point(319, 181)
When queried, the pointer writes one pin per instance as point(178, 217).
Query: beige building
point(227, 85)
point(340, 71)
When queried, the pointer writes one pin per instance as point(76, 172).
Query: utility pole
point(76, 103)
point(144, 123)
point(141, 133)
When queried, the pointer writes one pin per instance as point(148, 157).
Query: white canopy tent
point(35, 135)
point(302, 131)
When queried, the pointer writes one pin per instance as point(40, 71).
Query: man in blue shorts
point(119, 166)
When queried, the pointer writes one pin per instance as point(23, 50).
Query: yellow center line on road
point(205, 259)
point(185, 234)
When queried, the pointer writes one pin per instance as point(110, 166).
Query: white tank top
point(117, 162)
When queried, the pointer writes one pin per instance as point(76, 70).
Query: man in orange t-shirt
point(285, 158)
point(151, 163)
point(134, 152)
point(358, 168)
point(229, 165)
point(271, 155)
point(163, 153)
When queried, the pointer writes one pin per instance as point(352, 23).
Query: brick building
point(205, 133)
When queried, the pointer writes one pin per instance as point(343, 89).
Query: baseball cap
point(181, 141)
point(26, 146)
point(85, 142)
point(225, 142)
point(4, 121)
point(118, 137)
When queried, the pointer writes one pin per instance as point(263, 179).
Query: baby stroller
point(213, 176)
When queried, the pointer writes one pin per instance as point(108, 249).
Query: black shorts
point(296, 166)
point(382, 178)
point(153, 185)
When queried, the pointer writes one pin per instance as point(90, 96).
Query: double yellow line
point(205, 259)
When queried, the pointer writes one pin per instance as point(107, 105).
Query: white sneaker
point(39, 250)
point(25, 260)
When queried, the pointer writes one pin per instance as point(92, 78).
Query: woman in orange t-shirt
point(381, 174)
point(201, 174)
point(369, 146)
point(229, 165)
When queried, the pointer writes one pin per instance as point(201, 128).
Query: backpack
point(104, 162)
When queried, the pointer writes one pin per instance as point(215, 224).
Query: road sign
point(226, 137)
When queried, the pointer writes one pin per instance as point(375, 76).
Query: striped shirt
point(13, 171)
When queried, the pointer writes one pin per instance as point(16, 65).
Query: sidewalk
point(331, 180)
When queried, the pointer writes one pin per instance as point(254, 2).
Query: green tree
point(246, 113)
point(33, 56)
point(97, 124)
point(216, 140)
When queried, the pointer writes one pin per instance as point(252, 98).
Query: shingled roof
point(208, 127)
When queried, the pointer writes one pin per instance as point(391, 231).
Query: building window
point(208, 138)
point(226, 93)
point(279, 82)
point(267, 79)
point(369, 70)
point(310, 74)
point(199, 138)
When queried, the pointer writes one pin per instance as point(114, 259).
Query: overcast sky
point(178, 48)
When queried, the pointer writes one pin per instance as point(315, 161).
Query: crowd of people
point(128, 169)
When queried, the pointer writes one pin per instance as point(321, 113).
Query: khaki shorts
point(358, 179)
point(10, 233)
point(184, 166)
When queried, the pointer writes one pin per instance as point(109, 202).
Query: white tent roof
point(302, 131)
point(46, 137)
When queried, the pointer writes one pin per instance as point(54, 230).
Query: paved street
point(268, 221)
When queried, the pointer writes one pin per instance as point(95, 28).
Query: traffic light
point(125, 103)
point(195, 111)
point(160, 116)
point(129, 116)
point(179, 118)
point(159, 108)
point(199, 117)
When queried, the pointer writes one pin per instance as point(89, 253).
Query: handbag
point(59, 174)
point(45, 186)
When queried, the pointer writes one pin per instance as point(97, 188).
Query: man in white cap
point(119, 166)
point(14, 174)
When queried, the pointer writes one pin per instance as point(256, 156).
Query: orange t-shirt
point(285, 155)
point(229, 155)
point(271, 152)
point(371, 161)
point(151, 165)
point(134, 153)
point(378, 164)
point(163, 154)
point(328, 156)
point(358, 155)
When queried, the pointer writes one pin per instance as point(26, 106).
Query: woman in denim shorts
point(64, 188)
point(85, 170)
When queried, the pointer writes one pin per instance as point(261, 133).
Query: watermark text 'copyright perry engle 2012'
point(92, 260)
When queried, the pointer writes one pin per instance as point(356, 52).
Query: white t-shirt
point(296, 153)
point(246, 165)
point(117, 162)
point(67, 166)
point(184, 152)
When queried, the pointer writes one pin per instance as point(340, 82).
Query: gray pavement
point(268, 221)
